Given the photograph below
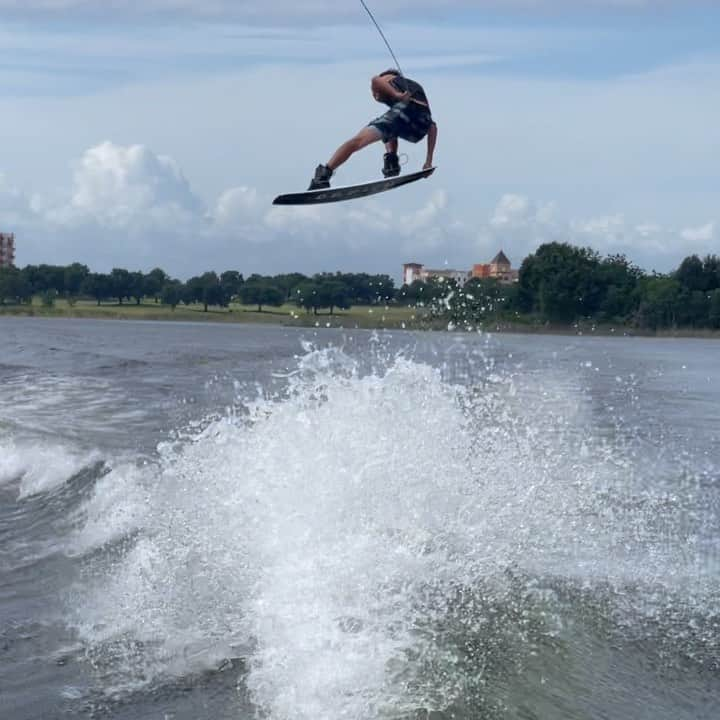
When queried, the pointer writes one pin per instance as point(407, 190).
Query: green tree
point(289, 283)
point(693, 308)
point(560, 282)
point(332, 294)
point(423, 293)
point(363, 288)
point(121, 283)
point(98, 286)
point(155, 280)
point(714, 309)
point(45, 277)
point(691, 274)
point(74, 277)
point(481, 300)
point(307, 296)
point(659, 302)
point(617, 281)
point(171, 293)
point(206, 290)
point(231, 282)
point(711, 268)
point(260, 291)
point(137, 286)
point(383, 289)
point(14, 286)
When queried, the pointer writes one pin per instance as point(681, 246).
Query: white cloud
point(517, 211)
point(14, 205)
point(512, 210)
point(118, 186)
point(237, 205)
point(702, 234)
point(128, 206)
point(615, 234)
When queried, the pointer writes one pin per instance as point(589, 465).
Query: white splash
point(319, 534)
point(39, 466)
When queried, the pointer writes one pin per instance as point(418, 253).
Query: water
point(203, 521)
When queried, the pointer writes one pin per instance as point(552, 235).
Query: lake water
point(211, 521)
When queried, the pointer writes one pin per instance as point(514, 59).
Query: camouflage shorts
point(408, 121)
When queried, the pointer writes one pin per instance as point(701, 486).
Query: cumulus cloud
point(128, 206)
point(614, 233)
point(119, 186)
point(237, 205)
point(702, 234)
point(519, 211)
point(522, 224)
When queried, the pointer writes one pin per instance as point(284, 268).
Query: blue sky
point(159, 133)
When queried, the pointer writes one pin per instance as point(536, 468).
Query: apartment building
point(7, 250)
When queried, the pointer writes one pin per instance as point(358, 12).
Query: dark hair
point(390, 71)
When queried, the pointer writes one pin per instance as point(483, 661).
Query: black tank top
point(404, 84)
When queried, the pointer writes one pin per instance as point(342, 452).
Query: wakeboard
point(350, 192)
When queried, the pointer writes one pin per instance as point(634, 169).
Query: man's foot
point(322, 178)
point(391, 166)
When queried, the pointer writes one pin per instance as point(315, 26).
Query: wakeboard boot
point(391, 165)
point(321, 180)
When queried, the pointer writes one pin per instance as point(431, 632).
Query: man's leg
point(365, 137)
point(391, 163)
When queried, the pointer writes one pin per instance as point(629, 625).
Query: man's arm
point(431, 141)
point(384, 91)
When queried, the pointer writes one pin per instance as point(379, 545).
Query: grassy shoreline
point(362, 317)
point(289, 315)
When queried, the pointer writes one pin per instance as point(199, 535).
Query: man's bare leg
point(391, 146)
point(365, 137)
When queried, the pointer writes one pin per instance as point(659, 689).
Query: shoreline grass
point(395, 317)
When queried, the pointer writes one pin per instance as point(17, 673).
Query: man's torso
point(417, 93)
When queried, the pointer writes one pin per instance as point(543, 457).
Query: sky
point(144, 133)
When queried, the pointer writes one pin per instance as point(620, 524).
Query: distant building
point(459, 276)
point(480, 270)
point(412, 272)
point(499, 268)
point(416, 271)
point(7, 250)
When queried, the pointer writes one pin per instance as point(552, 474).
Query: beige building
point(412, 272)
point(7, 250)
point(416, 271)
point(499, 268)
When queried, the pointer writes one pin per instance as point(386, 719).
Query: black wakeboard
point(350, 192)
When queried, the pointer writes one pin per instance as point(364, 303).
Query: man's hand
point(431, 140)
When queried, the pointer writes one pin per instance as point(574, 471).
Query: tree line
point(76, 281)
point(559, 283)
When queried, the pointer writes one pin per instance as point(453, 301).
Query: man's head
point(390, 71)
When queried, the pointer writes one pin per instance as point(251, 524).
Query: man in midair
point(409, 118)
